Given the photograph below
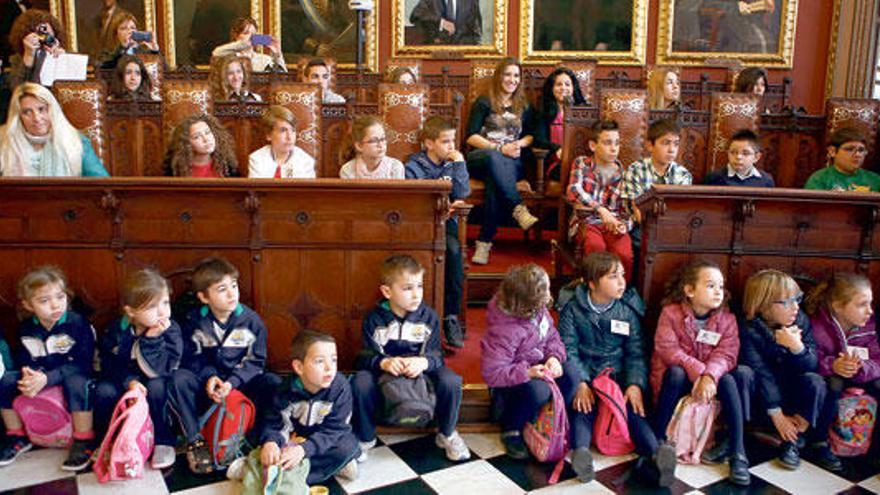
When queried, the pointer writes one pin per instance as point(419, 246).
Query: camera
point(46, 38)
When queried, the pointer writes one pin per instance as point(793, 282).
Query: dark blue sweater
point(420, 166)
point(721, 178)
point(69, 348)
point(387, 335)
point(155, 356)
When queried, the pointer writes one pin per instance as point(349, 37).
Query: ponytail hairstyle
point(358, 133)
point(839, 288)
point(523, 292)
point(688, 275)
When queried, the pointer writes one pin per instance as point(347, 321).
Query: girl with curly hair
point(201, 147)
point(35, 34)
point(131, 81)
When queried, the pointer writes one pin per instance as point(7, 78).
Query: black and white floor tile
point(412, 464)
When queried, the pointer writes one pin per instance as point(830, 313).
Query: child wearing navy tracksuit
point(226, 341)
point(57, 348)
point(310, 420)
point(142, 350)
point(601, 328)
point(441, 160)
point(402, 337)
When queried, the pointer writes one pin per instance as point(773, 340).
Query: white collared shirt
point(752, 173)
point(299, 165)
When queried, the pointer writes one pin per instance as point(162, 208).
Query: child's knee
point(814, 383)
point(448, 382)
point(675, 375)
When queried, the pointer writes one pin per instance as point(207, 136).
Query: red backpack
point(610, 431)
point(224, 427)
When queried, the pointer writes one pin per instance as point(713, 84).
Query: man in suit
point(448, 22)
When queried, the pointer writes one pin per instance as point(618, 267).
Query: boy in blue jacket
point(601, 328)
point(227, 340)
point(310, 420)
point(441, 160)
point(402, 337)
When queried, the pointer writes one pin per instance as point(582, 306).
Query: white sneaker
point(365, 446)
point(456, 449)
point(350, 471)
point(481, 253)
point(524, 217)
point(235, 471)
point(163, 457)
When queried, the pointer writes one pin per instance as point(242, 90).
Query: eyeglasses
point(742, 153)
point(794, 300)
point(855, 150)
point(376, 140)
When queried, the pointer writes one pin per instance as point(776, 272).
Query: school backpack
point(45, 417)
point(129, 440)
point(272, 480)
point(408, 401)
point(547, 437)
point(610, 430)
point(690, 428)
point(224, 426)
point(850, 435)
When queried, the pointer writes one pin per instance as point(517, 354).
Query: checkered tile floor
point(411, 464)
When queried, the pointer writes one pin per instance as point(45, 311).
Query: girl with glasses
point(366, 153)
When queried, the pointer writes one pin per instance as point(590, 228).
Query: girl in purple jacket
point(843, 326)
point(521, 345)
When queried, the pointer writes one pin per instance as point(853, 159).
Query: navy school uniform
point(234, 351)
point(387, 335)
point(155, 363)
point(322, 419)
point(65, 354)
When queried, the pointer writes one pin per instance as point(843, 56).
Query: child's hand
point(583, 399)
point(537, 371)
point(159, 329)
point(414, 366)
point(271, 454)
point(32, 382)
point(790, 338)
point(845, 365)
point(291, 456)
point(633, 395)
point(217, 389)
point(785, 426)
point(136, 385)
point(554, 367)
point(704, 389)
point(394, 366)
point(455, 156)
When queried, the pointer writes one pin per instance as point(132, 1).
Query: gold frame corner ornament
point(170, 46)
point(70, 19)
point(497, 48)
point(782, 59)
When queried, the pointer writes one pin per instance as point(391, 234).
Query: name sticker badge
point(544, 326)
point(620, 327)
point(857, 351)
point(709, 338)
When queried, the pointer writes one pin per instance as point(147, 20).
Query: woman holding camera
point(131, 41)
point(244, 43)
point(35, 35)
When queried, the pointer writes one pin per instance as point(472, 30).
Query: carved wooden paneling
point(403, 109)
point(182, 98)
point(242, 120)
point(731, 112)
point(629, 108)
point(84, 105)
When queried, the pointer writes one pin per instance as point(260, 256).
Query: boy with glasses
point(743, 153)
point(847, 149)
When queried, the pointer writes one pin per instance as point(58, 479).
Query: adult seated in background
point(664, 89)
point(231, 80)
point(752, 80)
point(500, 125)
point(560, 90)
point(130, 80)
point(38, 141)
point(847, 149)
point(36, 34)
point(401, 75)
point(281, 158)
point(317, 71)
point(743, 153)
point(242, 45)
point(200, 147)
point(127, 44)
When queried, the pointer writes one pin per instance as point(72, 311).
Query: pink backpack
point(610, 431)
point(45, 418)
point(690, 428)
point(850, 435)
point(547, 437)
point(129, 440)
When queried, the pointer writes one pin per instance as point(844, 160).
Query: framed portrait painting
point(751, 32)
point(90, 22)
point(459, 27)
point(323, 28)
point(193, 29)
point(609, 31)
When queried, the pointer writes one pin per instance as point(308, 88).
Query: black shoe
point(79, 457)
point(718, 454)
point(454, 333)
point(198, 456)
point(582, 463)
point(739, 470)
point(665, 459)
point(825, 458)
point(13, 447)
point(789, 457)
point(514, 445)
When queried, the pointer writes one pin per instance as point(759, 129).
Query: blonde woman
point(231, 79)
point(664, 88)
point(38, 141)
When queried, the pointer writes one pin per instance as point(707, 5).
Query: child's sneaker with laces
point(365, 446)
point(199, 457)
point(163, 457)
point(350, 471)
point(79, 457)
point(14, 446)
point(456, 449)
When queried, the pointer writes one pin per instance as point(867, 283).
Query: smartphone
point(141, 36)
point(261, 39)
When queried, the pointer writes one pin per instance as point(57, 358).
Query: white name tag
point(709, 338)
point(857, 351)
point(620, 327)
point(543, 327)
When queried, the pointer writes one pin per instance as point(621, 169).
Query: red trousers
point(596, 239)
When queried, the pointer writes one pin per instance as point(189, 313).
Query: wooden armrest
point(540, 156)
point(461, 212)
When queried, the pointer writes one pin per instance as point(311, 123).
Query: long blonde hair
point(657, 87)
point(64, 139)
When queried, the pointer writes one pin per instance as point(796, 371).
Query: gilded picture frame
point(493, 38)
point(80, 14)
point(752, 33)
point(531, 38)
point(177, 28)
point(328, 29)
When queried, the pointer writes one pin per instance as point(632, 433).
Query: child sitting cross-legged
point(601, 328)
point(310, 420)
